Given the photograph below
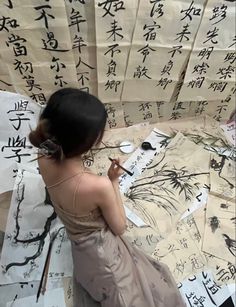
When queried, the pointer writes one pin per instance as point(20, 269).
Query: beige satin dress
point(110, 272)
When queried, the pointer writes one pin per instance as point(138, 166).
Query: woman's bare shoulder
point(96, 182)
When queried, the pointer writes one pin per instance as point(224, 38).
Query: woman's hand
point(114, 171)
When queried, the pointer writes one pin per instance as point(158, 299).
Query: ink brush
point(43, 280)
point(124, 169)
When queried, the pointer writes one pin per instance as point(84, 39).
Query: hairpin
point(48, 148)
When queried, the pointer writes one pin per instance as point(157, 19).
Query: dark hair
point(73, 119)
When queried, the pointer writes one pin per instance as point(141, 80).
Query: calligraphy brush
point(42, 283)
point(124, 169)
point(12, 304)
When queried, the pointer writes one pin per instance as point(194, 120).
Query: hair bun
point(40, 134)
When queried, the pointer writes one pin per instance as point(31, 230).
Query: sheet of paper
point(202, 290)
point(17, 291)
point(224, 272)
point(145, 238)
point(207, 134)
point(134, 218)
point(222, 176)
point(5, 80)
point(199, 201)
point(159, 51)
point(211, 72)
point(68, 291)
point(6, 173)
point(232, 291)
point(61, 263)
point(230, 132)
point(220, 110)
point(52, 298)
point(115, 115)
point(159, 111)
point(31, 222)
point(67, 284)
point(219, 234)
point(155, 112)
point(181, 252)
point(18, 114)
point(136, 112)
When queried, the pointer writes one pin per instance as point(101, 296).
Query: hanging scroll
point(37, 47)
point(18, 114)
point(5, 80)
point(81, 22)
point(114, 28)
point(211, 70)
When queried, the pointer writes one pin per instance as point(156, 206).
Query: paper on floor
point(52, 298)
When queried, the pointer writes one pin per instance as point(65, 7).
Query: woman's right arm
point(110, 201)
point(114, 172)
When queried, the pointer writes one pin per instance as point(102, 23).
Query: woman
point(108, 271)
point(232, 117)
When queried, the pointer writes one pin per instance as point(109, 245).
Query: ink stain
point(233, 219)
point(231, 244)
point(224, 206)
point(214, 223)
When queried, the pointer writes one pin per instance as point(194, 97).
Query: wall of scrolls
point(147, 60)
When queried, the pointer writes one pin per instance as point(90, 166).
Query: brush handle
point(124, 169)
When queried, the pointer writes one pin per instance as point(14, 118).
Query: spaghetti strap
point(63, 180)
point(75, 191)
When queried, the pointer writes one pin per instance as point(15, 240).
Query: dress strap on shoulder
point(75, 191)
point(63, 180)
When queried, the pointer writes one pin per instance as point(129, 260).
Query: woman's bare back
point(70, 186)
